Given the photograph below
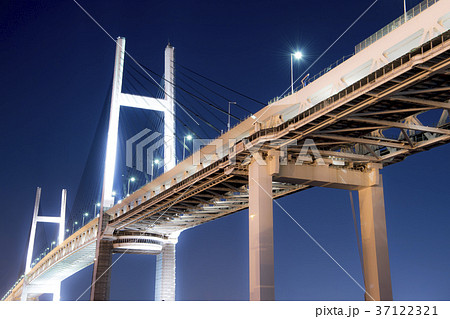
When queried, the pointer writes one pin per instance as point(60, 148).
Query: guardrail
point(394, 24)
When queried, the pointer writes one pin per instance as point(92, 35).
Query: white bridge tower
point(166, 105)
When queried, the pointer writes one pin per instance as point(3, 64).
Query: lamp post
point(229, 112)
point(98, 205)
point(86, 214)
point(73, 226)
point(156, 161)
point(189, 138)
point(53, 243)
point(297, 55)
point(132, 179)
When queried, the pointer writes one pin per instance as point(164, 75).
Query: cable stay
point(195, 96)
point(158, 85)
point(214, 92)
point(221, 85)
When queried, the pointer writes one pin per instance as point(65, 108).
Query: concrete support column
point(261, 260)
point(165, 273)
point(377, 275)
point(101, 276)
point(101, 281)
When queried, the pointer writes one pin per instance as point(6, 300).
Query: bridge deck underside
point(396, 111)
point(384, 117)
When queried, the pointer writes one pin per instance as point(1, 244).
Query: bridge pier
point(368, 183)
point(101, 275)
point(377, 275)
point(165, 272)
point(101, 280)
point(260, 222)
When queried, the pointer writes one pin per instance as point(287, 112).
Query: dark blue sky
point(56, 68)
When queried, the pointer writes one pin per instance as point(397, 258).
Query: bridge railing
point(394, 24)
point(309, 79)
point(77, 240)
point(364, 44)
point(85, 235)
point(13, 287)
point(384, 71)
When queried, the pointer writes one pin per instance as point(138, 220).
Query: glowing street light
point(189, 138)
point(132, 179)
point(86, 214)
point(156, 161)
point(98, 205)
point(73, 226)
point(297, 55)
point(53, 243)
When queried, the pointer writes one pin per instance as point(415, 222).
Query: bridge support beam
point(101, 275)
point(165, 273)
point(101, 279)
point(261, 255)
point(377, 275)
point(369, 184)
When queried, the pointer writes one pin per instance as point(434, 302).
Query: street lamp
point(85, 215)
point(229, 112)
point(98, 205)
point(189, 138)
point(53, 243)
point(297, 55)
point(132, 179)
point(73, 226)
point(156, 161)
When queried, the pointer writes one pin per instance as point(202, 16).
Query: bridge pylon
point(54, 287)
point(118, 99)
point(107, 244)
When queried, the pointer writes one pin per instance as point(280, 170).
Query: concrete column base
point(377, 275)
point(101, 279)
point(260, 222)
point(165, 273)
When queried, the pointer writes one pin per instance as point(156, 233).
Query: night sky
point(56, 70)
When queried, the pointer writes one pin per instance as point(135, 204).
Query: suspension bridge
point(388, 101)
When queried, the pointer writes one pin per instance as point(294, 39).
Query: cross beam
point(407, 126)
point(444, 105)
point(325, 176)
point(118, 98)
